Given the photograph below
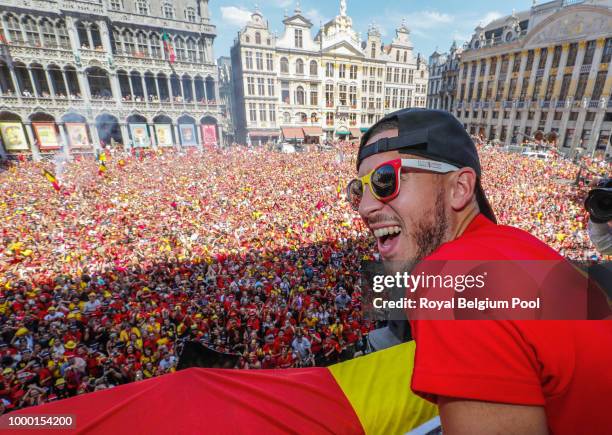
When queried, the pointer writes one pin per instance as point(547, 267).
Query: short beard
point(430, 231)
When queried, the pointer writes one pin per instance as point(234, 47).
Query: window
point(543, 55)
point(571, 56)
point(143, 49)
point(250, 86)
point(142, 7)
point(329, 69)
point(353, 96)
point(262, 113)
point(285, 92)
point(372, 86)
point(342, 95)
point(388, 74)
point(550, 87)
point(249, 59)
point(364, 102)
point(329, 118)
point(379, 87)
point(179, 47)
point(257, 38)
point(116, 5)
point(298, 38)
point(155, 48)
point(606, 56)
point(556, 57)
point(599, 85)
point(48, 32)
point(353, 72)
point(329, 95)
point(301, 117)
point(168, 11)
point(373, 51)
point(128, 42)
point(395, 75)
point(284, 65)
point(565, 84)
point(403, 75)
point(269, 62)
point(272, 113)
point(271, 87)
point(569, 135)
point(191, 50)
point(342, 71)
point(247, 39)
point(397, 55)
point(589, 52)
point(582, 82)
point(31, 31)
point(394, 98)
point(62, 33)
point(504, 65)
point(202, 50)
point(364, 86)
point(314, 95)
point(590, 116)
point(516, 64)
point(287, 118)
point(536, 88)
point(314, 69)
point(190, 14)
point(410, 76)
point(259, 61)
point(252, 112)
point(299, 67)
point(558, 115)
point(261, 87)
point(314, 118)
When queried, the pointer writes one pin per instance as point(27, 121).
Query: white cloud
point(234, 15)
point(421, 20)
point(315, 16)
point(490, 16)
point(283, 3)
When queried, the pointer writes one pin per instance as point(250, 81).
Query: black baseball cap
point(433, 134)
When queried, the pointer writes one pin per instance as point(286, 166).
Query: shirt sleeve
point(478, 360)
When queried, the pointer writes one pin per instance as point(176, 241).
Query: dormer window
point(298, 38)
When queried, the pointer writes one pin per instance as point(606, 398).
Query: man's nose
point(369, 204)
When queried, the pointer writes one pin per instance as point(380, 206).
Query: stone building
point(132, 73)
point(541, 73)
point(443, 71)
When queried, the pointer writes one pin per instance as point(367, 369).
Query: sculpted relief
point(572, 27)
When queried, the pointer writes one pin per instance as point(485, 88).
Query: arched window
point(299, 66)
point(247, 39)
point(48, 32)
point(202, 50)
point(301, 117)
point(116, 5)
point(128, 42)
point(299, 96)
point(143, 49)
point(190, 14)
point(31, 31)
point(62, 33)
point(179, 46)
point(191, 50)
point(287, 118)
point(142, 7)
point(284, 65)
point(257, 38)
point(155, 46)
point(314, 68)
point(167, 10)
point(314, 118)
point(14, 29)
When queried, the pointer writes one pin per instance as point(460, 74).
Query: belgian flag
point(49, 176)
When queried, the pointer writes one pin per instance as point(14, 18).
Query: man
point(488, 376)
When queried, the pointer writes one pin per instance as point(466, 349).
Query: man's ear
point(462, 187)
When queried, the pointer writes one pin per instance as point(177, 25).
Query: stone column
point(89, 38)
point(131, 87)
point(104, 36)
point(157, 88)
point(84, 86)
point(152, 136)
point(125, 136)
point(64, 138)
point(50, 84)
point(193, 92)
point(95, 139)
point(176, 136)
point(144, 90)
point(199, 138)
point(16, 84)
point(33, 83)
point(32, 140)
point(66, 88)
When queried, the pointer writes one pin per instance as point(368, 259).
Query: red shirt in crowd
point(563, 366)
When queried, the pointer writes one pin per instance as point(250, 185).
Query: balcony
point(585, 69)
point(520, 104)
point(507, 104)
point(544, 104)
point(594, 104)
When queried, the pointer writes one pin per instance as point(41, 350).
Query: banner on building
point(46, 135)
point(188, 135)
point(13, 136)
point(209, 134)
point(140, 135)
point(163, 132)
point(77, 135)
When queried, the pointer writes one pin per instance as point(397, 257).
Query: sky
point(433, 24)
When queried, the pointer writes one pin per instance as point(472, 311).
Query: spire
point(343, 8)
point(298, 9)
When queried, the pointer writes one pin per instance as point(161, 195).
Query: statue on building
point(343, 8)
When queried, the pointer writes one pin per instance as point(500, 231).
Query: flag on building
point(49, 176)
point(168, 48)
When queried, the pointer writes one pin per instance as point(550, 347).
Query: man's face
point(419, 211)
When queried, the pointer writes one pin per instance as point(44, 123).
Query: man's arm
point(472, 417)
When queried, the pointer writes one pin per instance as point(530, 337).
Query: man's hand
point(471, 417)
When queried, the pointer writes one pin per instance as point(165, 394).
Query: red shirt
point(563, 366)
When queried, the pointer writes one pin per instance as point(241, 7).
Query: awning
point(263, 133)
point(342, 130)
point(355, 132)
point(293, 133)
point(363, 129)
point(312, 131)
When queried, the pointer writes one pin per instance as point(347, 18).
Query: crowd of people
point(247, 250)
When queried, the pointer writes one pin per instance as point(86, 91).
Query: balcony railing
point(593, 104)
point(544, 104)
point(585, 69)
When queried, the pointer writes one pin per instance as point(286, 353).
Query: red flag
point(168, 48)
point(49, 176)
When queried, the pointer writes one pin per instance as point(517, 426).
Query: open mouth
point(387, 238)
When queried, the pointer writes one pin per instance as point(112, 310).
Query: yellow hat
point(70, 345)
point(71, 316)
point(7, 371)
point(21, 331)
point(60, 381)
point(198, 316)
point(107, 294)
point(51, 309)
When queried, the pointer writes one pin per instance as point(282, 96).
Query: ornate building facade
point(308, 87)
point(443, 71)
point(540, 73)
point(137, 73)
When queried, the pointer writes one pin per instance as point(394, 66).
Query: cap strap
point(408, 139)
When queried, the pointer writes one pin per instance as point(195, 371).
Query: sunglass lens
point(383, 181)
point(355, 193)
